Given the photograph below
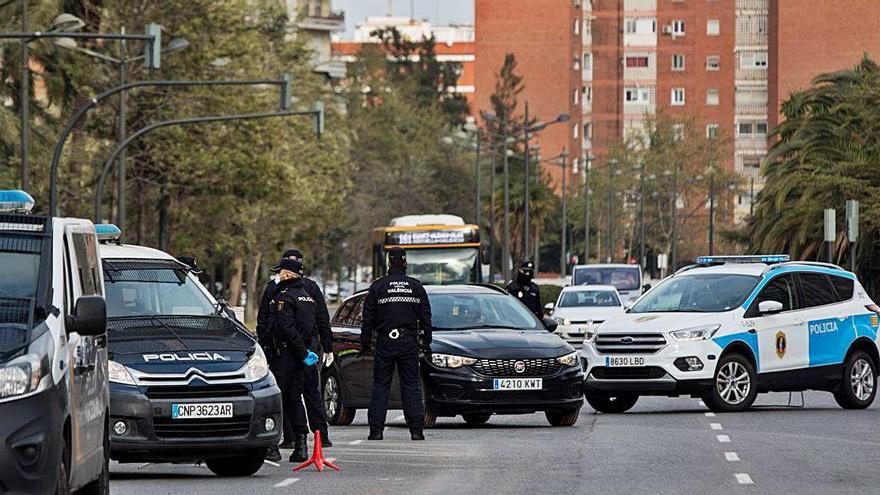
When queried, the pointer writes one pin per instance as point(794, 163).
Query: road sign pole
point(830, 232)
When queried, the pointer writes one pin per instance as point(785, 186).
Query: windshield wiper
point(168, 327)
point(477, 327)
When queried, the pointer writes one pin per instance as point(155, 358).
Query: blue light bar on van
point(765, 258)
point(15, 201)
point(107, 232)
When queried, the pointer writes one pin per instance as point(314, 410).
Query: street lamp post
point(588, 165)
point(24, 101)
point(505, 252)
point(711, 212)
point(478, 201)
point(492, 208)
point(526, 192)
point(612, 164)
point(563, 259)
point(673, 248)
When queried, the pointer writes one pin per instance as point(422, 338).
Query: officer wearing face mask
point(396, 310)
point(291, 329)
point(312, 394)
point(525, 290)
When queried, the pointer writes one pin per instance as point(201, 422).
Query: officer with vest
point(292, 315)
point(396, 310)
point(525, 290)
point(314, 404)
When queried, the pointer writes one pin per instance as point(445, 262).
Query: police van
point(53, 355)
point(188, 383)
point(729, 327)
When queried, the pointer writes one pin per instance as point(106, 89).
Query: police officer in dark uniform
point(525, 290)
point(292, 313)
point(312, 398)
point(396, 310)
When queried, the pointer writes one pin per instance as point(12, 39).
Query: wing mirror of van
point(89, 316)
point(550, 324)
point(769, 307)
point(646, 287)
point(549, 307)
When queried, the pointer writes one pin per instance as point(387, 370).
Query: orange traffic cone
point(317, 457)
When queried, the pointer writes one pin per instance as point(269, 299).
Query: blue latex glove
point(311, 359)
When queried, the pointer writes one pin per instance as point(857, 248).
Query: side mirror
point(550, 324)
point(769, 307)
point(89, 317)
point(549, 307)
point(646, 287)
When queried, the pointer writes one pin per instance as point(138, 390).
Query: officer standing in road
point(396, 309)
point(312, 396)
point(292, 313)
point(525, 290)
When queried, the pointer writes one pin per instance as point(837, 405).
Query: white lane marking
point(710, 415)
point(399, 418)
point(355, 442)
point(716, 426)
point(744, 479)
point(273, 464)
point(723, 438)
point(287, 482)
point(731, 456)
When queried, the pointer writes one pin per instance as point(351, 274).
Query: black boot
point(416, 435)
point(300, 449)
point(375, 435)
point(325, 439)
point(273, 454)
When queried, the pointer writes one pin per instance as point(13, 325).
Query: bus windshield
point(441, 266)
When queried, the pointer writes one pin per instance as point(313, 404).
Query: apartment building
point(546, 36)
point(318, 21)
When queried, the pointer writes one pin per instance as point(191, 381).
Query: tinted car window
point(357, 312)
point(817, 289)
point(844, 287)
point(780, 289)
point(339, 319)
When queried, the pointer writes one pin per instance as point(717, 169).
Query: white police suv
point(729, 327)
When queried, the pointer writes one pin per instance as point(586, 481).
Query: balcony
point(752, 108)
point(334, 68)
point(318, 21)
point(755, 5)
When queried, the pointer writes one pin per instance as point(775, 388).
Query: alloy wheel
point(733, 383)
point(862, 379)
point(331, 396)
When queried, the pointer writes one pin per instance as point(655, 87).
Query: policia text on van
point(53, 358)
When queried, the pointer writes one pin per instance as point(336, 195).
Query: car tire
point(430, 417)
point(735, 385)
point(612, 404)
point(334, 405)
point(563, 417)
point(476, 419)
point(62, 484)
point(101, 486)
point(245, 464)
point(858, 387)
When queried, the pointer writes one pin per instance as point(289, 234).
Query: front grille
point(629, 373)
point(630, 343)
point(507, 367)
point(202, 428)
point(190, 392)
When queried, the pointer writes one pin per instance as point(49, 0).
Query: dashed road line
point(723, 438)
point(710, 414)
point(744, 479)
point(287, 482)
point(716, 426)
point(355, 442)
point(731, 456)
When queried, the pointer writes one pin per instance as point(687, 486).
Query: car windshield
point(622, 278)
point(441, 266)
point(153, 292)
point(706, 293)
point(588, 298)
point(475, 311)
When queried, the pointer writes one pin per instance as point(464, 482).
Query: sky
point(438, 12)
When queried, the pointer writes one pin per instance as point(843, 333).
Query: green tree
point(827, 150)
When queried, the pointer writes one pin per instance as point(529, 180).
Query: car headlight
point(569, 359)
point(25, 374)
point(118, 373)
point(450, 361)
point(695, 333)
point(257, 366)
point(562, 321)
point(589, 337)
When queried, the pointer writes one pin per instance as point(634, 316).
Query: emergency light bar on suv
point(766, 258)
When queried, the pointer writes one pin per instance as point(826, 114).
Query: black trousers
point(290, 373)
point(314, 405)
point(402, 353)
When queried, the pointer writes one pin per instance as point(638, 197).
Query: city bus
point(441, 249)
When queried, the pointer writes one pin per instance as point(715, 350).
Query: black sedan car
point(490, 355)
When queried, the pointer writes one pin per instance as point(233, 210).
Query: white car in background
point(582, 308)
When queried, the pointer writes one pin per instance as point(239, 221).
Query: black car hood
point(170, 344)
point(499, 343)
